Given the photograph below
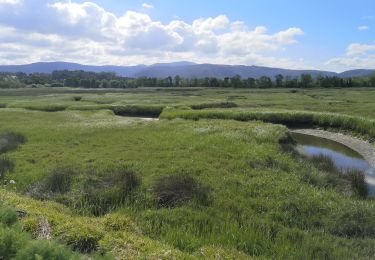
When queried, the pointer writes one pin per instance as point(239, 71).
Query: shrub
point(3, 105)
point(174, 190)
point(11, 240)
point(77, 98)
point(42, 249)
point(10, 141)
point(8, 216)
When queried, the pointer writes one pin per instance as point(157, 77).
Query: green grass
point(182, 189)
point(362, 126)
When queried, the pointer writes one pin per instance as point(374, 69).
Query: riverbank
point(364, 148)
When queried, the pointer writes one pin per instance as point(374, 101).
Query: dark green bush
point(10, 141)
point(174, 190)
point(11, 240)
point(8, 216)
point(42, 249)
point(77, 98)
point(3, 105)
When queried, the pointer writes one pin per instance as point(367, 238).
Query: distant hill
point(184, 69)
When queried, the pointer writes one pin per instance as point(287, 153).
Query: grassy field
point(109, 186)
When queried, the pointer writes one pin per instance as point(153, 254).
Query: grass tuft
point(175, 190)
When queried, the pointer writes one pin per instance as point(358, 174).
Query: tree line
point(84, 79)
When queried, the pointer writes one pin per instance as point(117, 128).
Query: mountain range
point(184, 69)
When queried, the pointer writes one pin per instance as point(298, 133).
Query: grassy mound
point(360, 125)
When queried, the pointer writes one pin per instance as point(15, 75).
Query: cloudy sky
point(332, 35)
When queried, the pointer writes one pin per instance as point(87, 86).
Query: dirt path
point(365, 149)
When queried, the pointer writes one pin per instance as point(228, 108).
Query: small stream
point(342, 156)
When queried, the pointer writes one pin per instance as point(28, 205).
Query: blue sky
point(332, 35)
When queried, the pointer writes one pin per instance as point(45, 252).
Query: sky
point(333, 35)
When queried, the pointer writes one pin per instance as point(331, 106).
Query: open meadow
point(180, 173)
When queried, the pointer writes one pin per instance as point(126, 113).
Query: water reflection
point(343, 157)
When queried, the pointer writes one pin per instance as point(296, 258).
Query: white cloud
point(147, 6)
point(363, 28)
point(361, 56)
point(355, 49)
point(10, 2)
point(87, 33)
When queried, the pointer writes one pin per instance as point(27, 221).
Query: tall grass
point(137, 110)
point(360, 125)
point(6, 165)
point(351, 181)
point(214, 105)
point(47, 108)
point(174, 190)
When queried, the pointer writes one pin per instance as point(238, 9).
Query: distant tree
point(306, 81)
point(372, 80)
point(279, 80)
point(177, 80)
point(236, 81)
point(250, 83)
point(264, 82)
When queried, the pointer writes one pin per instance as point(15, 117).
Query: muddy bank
point(364, 148)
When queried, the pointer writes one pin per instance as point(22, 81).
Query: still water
point(343, 157)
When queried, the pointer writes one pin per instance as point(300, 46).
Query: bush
point(174, 190)
point(42, 249)
point(10, 141)
point(11, 240)
point(3, 105)
point(8, 216)
point(77, 98)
